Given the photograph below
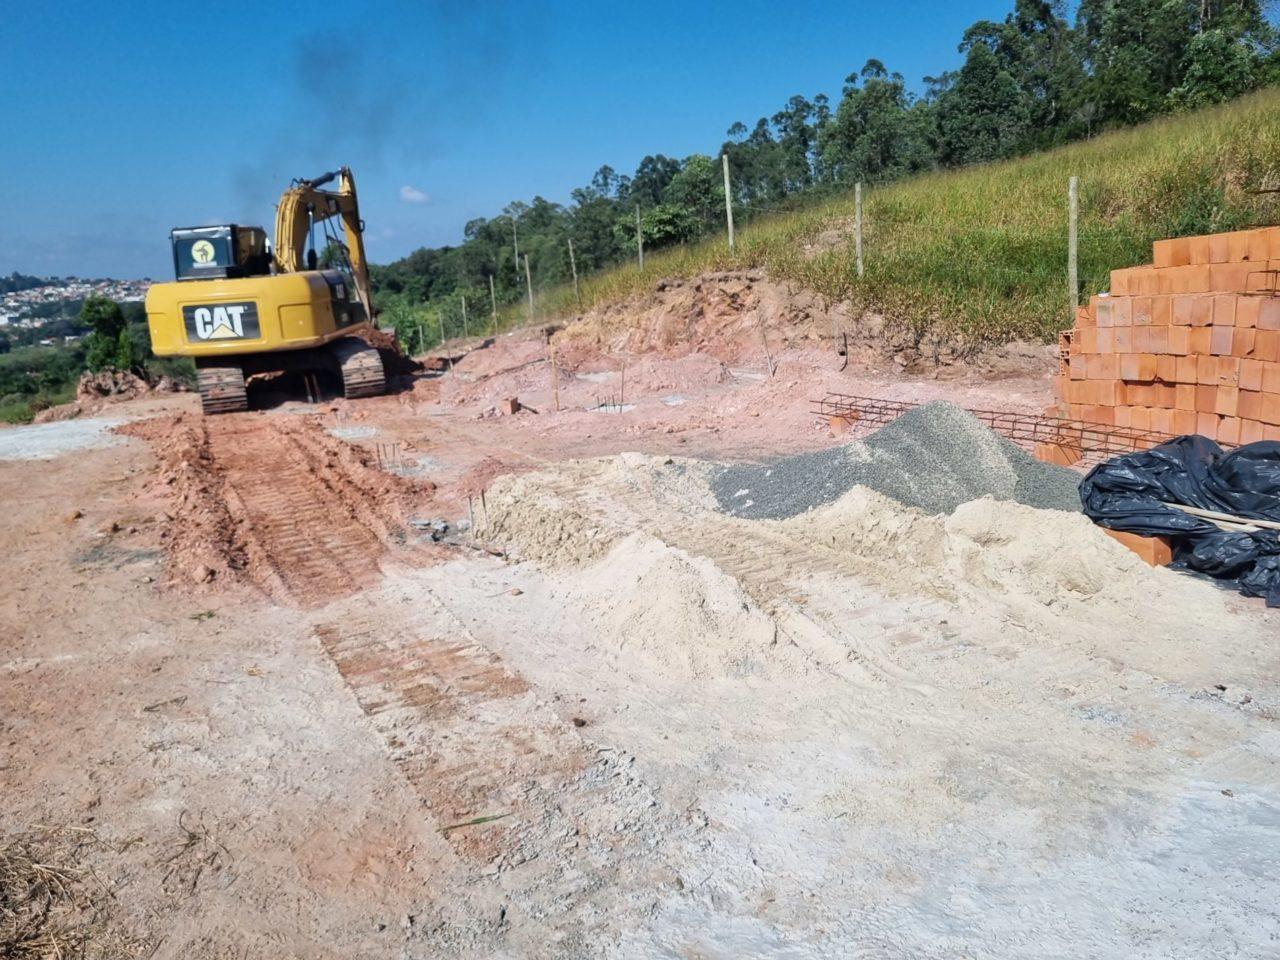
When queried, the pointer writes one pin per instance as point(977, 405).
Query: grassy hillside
point(980, 253)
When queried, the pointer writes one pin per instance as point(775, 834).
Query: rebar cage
point(1095, 441)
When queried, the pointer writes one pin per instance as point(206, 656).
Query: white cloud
point(412, 195)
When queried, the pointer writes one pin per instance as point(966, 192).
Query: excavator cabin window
point(206, 253)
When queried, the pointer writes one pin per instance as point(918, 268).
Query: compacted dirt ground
point(417, 677)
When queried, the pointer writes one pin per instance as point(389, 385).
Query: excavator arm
point(303, 206)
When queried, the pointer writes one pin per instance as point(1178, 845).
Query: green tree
point(411, 321)
point(110, 344)
point(591, 222)
point(983, 116)
point(1036, 46)
point(698, 190)
point(797, 140)
point(1219, 67)
point(650, 180)
point(878, 132)
point(661, 226)
point(1134, 51)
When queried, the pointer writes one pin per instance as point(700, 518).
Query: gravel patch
point(934, 458)
point(44, 441)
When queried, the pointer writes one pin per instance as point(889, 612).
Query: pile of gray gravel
point(934, 457)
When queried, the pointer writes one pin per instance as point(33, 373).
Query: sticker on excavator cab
point(202, 252)
point(221, 321)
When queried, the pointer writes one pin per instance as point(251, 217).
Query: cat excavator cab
point(239, 309)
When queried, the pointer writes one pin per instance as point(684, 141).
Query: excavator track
point(361, 368)
point(222, 389)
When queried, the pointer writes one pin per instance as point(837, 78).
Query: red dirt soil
point(275, 502)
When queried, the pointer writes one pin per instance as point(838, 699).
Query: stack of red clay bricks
point(1187, 344)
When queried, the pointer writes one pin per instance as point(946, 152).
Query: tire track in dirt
point(279, 503)
point(308, 532)
point(554, 821)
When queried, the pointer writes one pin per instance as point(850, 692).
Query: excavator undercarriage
point(223, 385)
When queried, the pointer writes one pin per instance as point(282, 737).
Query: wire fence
point(973, 244)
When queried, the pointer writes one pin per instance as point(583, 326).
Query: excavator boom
point(303, 206)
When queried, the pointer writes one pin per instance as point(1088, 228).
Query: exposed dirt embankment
point(734, 315)
point(277, 503)
point(394, 360)
point(96, 392)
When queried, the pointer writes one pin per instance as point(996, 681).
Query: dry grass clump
point(52, 906)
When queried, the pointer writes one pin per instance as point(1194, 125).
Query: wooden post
point(515, 244)
point(1073, 278)
point(464, 316)
point(528, 279)
point(555, 379)
point(857, 225)
point(493, 299)
point(622, 388)
point(440, 317)
point(573, 265)
point(728, 198)
point(422, 339)
point(639, 240)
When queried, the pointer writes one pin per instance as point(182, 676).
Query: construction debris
point(1154, 551)
point(1182, 489)
point(934, 457)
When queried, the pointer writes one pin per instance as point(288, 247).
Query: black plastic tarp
point(1131, 493)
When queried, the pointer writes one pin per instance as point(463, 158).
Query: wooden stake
point(464, 316)
point(639, 240)
point(528, 279)
point(857, 226)
point(573, 265)
point(1073, 278)
point(555, 380)
point(728, 199)
point(768, 357)
point(471, 518)
point(1225, 517)
point(622, 388)
point(493, 299)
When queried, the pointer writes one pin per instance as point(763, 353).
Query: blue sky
point(124, 119)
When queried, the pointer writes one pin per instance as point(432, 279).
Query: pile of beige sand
point(681, 614)
point(639, 546)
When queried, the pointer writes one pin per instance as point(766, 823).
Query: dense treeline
point(1029, 82)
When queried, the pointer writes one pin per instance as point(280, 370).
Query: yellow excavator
point(241, 309)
